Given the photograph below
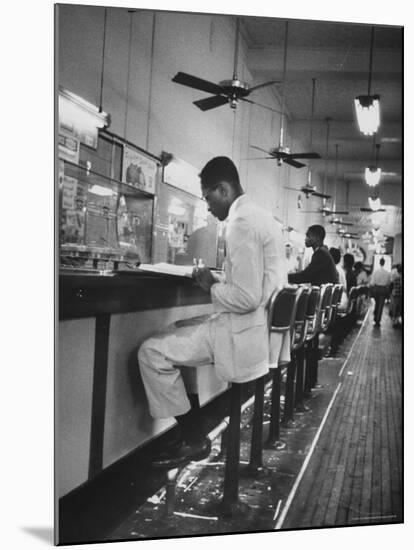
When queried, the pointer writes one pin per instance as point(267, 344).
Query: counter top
point(86, 294)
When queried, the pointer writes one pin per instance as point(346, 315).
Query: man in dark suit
point(321, 268)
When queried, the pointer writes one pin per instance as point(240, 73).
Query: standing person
point(380, 286)
point(235, 338)
point(350, 276)
point(361, 274)
point(321, 268)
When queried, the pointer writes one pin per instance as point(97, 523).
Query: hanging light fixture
point(367, 106)
point(374, 203)
point(373, 173)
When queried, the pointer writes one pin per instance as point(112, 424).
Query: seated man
point(234, 338)
point(336, 256)
point(321, 268)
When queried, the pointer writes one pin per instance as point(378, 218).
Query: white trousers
point(187, 343)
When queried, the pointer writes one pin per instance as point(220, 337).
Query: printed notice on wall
point(138, 170)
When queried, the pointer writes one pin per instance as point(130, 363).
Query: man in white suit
point(234, 338)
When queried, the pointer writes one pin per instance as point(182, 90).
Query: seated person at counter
point(351, 280)
point(361, 274)
point(235, 337)
point(336, 256)
point(321, 268)
point(292, 261)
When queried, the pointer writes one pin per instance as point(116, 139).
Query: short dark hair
point(358, 266)
point(218, 169)
point(349, 260)
point(336, 254)
point(317, 231)
point(382, 261)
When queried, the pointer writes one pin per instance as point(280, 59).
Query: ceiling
point(337, 56)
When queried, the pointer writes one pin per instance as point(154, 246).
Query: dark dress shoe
point(181, 454)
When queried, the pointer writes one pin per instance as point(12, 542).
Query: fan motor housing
point(235, 87)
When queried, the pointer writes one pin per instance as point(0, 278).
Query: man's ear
point(225, 188)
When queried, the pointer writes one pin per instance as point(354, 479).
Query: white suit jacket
point(255, 266)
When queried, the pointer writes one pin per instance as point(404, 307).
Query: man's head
point(382, 262)
point(315, 236)
point(220, 186)
point(336, 254)
point(358, 267)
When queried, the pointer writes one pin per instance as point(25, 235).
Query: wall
point(143, 51)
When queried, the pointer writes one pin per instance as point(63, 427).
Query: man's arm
point(243, 293)
point(308, 274)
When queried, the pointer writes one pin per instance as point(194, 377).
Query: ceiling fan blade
point(338, 212)
point(260, 149)
point(321, 195)
point(259, 104)
point(211, 102)
point(289, 160)
point(197, 83)
point(260, 158)
point(269, 83)
point(304, 155)
point(295, 189)
point(341, 223)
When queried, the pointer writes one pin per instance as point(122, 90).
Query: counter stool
point(281, 316)
point(348, 317)
point(312, 351)
point(298, 335)
point(284, 301)
point(334, 322)
point(335, 301)
point(311, 326)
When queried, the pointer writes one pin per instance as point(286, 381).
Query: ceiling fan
point(338, 221)
point(325, 210)
point(310, 189)
point(227, 91)
point(366, 209)
point(282, 153)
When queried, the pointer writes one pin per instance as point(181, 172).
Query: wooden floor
point(342, 464)
point(354, 475)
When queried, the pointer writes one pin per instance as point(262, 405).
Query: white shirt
point(362, 278)
point(380, 277)
point(342, 281)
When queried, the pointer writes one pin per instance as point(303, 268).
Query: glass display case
point(104, 224)
point(184, 230)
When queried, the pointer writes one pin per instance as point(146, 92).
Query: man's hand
point(204, 278)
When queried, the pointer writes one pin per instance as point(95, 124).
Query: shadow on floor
point(43, 533)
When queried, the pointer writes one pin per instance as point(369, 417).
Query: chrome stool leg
point(255, 467)
point(273, 439)
point(231, 505)
point(299, 389)
point(288, 420)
